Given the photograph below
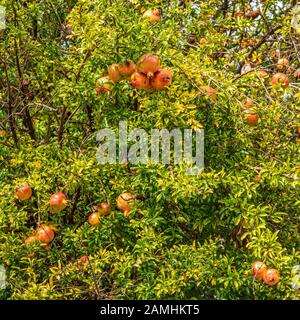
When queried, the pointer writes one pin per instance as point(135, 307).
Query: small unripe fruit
point(152, 15)
point(125, 202)
point(202, 41)
point(114, 73)
point(148, 64)
point(24, 192)
point(258, 270)
point(127, 68)
point(94, 219)
point(57, 202)
point(139, 81)
point(161, 79)
point(211, 92)
point(104, 85)
point(45, 234)
point(271, 277)
point(280, 79)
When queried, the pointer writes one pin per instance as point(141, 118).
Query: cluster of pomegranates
point(269, 276)
point(125, 202)
point(146, 74)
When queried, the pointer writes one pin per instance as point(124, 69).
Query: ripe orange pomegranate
point(161, 79)
point(104, 209)
point(248, 102)
point(152, 15)
point(57, 202)
point(127, 68)
point(148, 64)
point(125, 202)
point(271, 277)
point(282, 63)
point(139, 80)
point(211, 92)
point(24, 192)
point(258, 269)
point(252, 118)
point(45, 234)
point(30, 239)
point(104, 85)
point(281, 80)
point(203, 41)
point(114, 73)
point(297, 74)
point(94, 219)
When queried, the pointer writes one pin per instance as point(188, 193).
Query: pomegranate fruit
point(148, 64)
point(139, 80)
point(104, 209)
point(280, 79)
point(203, 41)
point(104, 85)
point(24, 192)
point(252, 118)
point(282, 63)
point(161, 79)
point(152, 15)
point(258, 269)
point(45, 234)
point(126, 69)
point(271, 277)
point(248, 102)
point(94, 219)
point(57, 202)
point(211, 92)
point(125, 202)
point(114, 73)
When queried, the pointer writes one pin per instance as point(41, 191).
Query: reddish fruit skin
point(282, 63)
point(211, 92)
point(139, 80)
point(94, 219)
point(24, 192)
point(114, 73)
point(271, 277)
point(256, 179)
point(45, 234)
point(104, 209)
point(148, 65)
point(57, 202)
point(258, 269)
point(104, 85)
point(252, 118)
point(152, 15)
point(127, 68)
point(248, 102)
point(280, 79)
point(124, 202)
point(253, 14)
point(161, 79)
point(30, 240)
point(297, 74)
